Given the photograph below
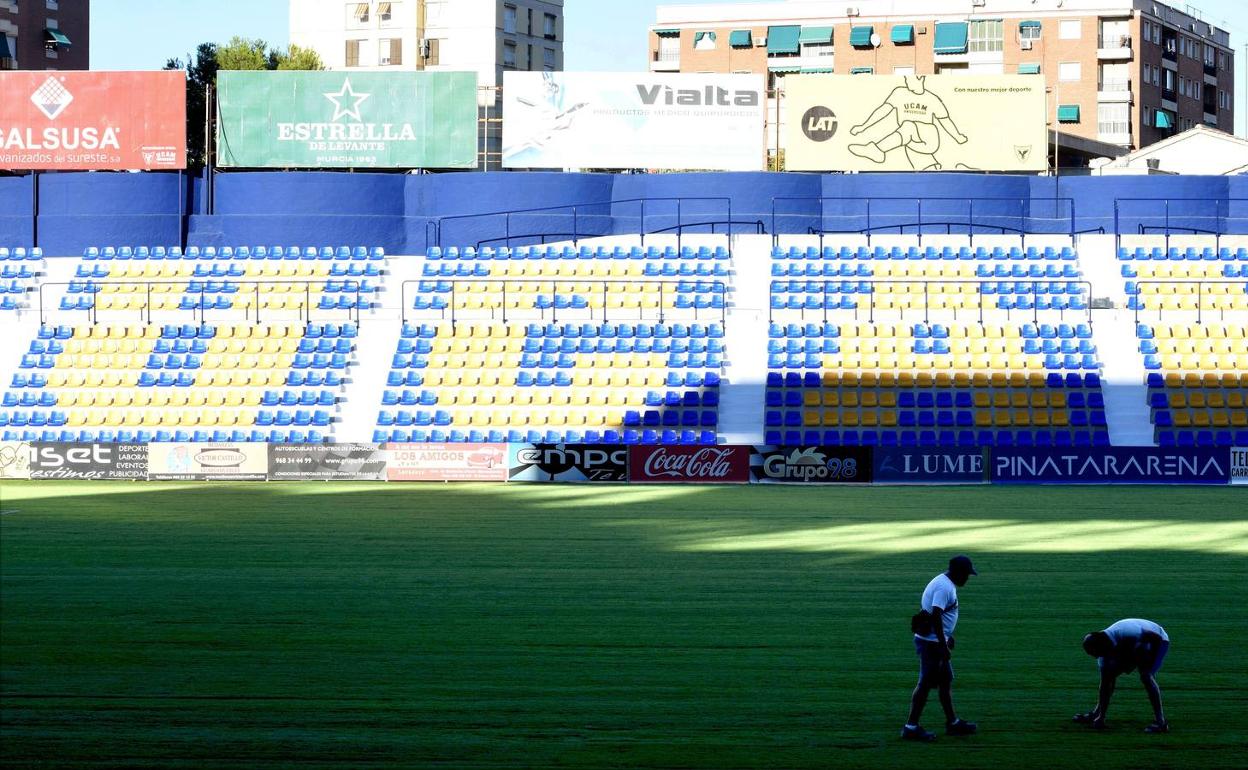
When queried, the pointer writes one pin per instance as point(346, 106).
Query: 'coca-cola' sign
point(689, 464)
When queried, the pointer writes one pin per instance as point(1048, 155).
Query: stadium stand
point(1195, 357)
point(945, 381)
point(240, 377)
point(506, 369)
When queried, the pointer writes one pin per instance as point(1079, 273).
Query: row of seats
point(217, 269)
point(197, 397)
point(571, 270)
point(548, 252)
point(20, 254)
point(630, 437)
point(107, 253)
point(946, 439)
point(127, 436)
point(582, 378)
point(925, 380)
point(923, 271)
point(1177, 253)
point(917, 253)
point(934, 399)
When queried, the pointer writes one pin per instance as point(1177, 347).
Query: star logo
point(347, 102)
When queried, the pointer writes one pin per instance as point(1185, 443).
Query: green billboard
point(347, 119)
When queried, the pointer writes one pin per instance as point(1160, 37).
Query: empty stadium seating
point(972, 374)
point(1192, 295)
point(20, 269)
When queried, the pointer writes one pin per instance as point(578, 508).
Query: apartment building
point(1118, 72)
point(486, 36)
point(45, 34)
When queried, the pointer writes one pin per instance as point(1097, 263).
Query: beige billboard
point(916, 123)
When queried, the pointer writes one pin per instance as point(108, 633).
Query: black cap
point(962, 564)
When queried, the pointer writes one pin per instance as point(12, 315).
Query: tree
point(238, 54)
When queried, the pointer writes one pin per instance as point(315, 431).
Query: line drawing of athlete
point(920, 115)
point(552, 117)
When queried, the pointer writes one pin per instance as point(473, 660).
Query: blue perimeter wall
point(403, 213)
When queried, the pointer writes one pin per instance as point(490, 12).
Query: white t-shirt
point(941, 592)
point(1131, 629)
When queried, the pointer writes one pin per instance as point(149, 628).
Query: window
point(775, 81)
point(1029, 32)
point(1113, 119)
point(433, 13)
point(1115, 77)
point(903, 70)
point(51, 4)
point(1115, 33)
point(1169, 81)
point(385, 12)
point(669, 48)
point(704, 41)
point(357, 15)
point(353, 53)
point(509, 54)
point(1147, 29)
point(1209, 57)
point(531, 60)
point(1070, 71)
point(1070, 29)
point(548, 59)
point(509, 19)
point(1156, 34)
point(390, 52)
point(1147, 115)
point(986, 36)
point(549, 26)
point(817, 50)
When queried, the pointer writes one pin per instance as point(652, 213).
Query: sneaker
point(1157, 727)
point(1084, 719)
point(960, 727)
point(917, 734)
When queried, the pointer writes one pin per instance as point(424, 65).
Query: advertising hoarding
point(88, 461)
point(1239, 465)
point(689, 464)
point(1121, 465)
point(931, 466)
point(347, 119)
point(568, 462)
point(207, 462)
point(811, 465)
point(633, 120)
point(327, 462)
point(446, 462)
point(92, 120)
point(916, 123)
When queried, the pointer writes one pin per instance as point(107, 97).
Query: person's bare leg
point(1154, 696)
point(917, 701)
point(945, 692)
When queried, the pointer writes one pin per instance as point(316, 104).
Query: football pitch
point(369, 625)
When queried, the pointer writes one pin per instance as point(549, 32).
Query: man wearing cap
point(934, 645)
point(1129, 644)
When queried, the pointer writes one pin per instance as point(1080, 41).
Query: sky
point(602, 35)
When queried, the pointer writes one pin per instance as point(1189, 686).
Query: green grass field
point(369, 625)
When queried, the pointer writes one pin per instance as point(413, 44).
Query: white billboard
point(633, 120)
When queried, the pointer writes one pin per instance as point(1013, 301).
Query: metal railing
point(1033, 285)
point(94, 287)
point(1182, 216)
point(920, 215)
point(1201, 295)
point(499, 310)
point(594, 219)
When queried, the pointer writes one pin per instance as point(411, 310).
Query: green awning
point(741, 38)
point(697, 37)
point(815, 35)
point(1068, 113)
point(1029, 25)
point(902, 34)
point(816, 70)
point(784, 70)
point(860, 37)
point(1162, 119)
point(951, 37)
point(782, 40)
point(51, 35)
point(667, 32)
point(862, 71)
point(1029, 69)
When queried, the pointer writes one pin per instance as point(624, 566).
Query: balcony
point(1170, 49)
point(1114, 91)
point(1114, 48)
point(1115, 133)
point(663, 61)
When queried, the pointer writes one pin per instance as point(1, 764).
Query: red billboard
point(446, 462)
point(92, 120)
point(689, 464)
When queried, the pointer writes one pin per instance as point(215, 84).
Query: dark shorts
point(1159, 656)
point(1153, 657)
point(934, 669)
